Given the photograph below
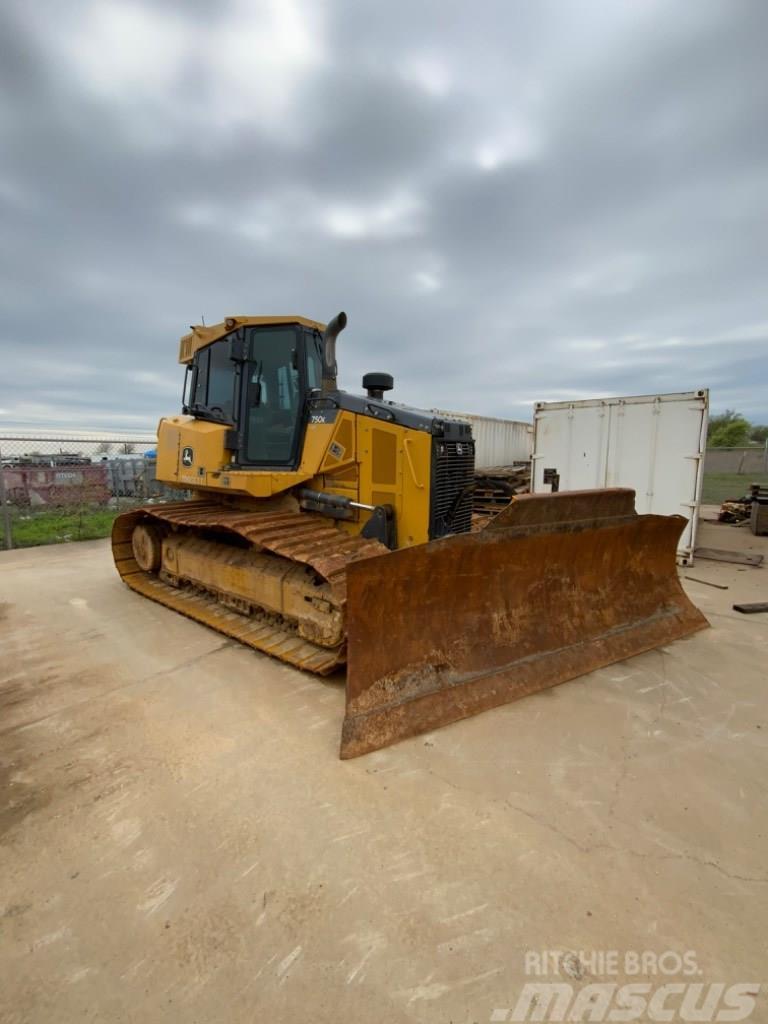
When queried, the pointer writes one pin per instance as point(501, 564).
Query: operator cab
point(267, 373)
point(266, 378)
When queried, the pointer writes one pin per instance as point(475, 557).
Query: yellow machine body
point(370, 462)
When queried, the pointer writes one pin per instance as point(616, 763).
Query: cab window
point(215, 379)
point(274, 396)
point(314, 360)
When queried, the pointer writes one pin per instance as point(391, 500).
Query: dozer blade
point(555, 586)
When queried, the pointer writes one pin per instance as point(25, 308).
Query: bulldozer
point(334, 530)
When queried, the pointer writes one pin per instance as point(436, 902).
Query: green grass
point(57, 526)
point(718, 487)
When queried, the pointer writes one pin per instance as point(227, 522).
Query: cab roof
point(200, 335)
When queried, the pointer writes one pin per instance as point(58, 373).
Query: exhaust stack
point(331, 333)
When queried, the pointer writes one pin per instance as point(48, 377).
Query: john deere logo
point(187, 457)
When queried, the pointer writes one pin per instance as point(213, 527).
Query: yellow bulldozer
point(330, 529)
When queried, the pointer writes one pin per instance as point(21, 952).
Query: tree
point(728, 430)
point(759, 433)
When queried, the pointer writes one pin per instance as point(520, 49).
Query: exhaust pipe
point(331, 333)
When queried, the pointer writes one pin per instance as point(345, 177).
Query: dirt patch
point(5, 608)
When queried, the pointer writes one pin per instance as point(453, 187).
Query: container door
point(573, 440)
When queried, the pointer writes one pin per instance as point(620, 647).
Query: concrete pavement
point(179, 841)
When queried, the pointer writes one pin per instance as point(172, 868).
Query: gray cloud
point(513, 202)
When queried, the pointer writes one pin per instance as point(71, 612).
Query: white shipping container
point(497, 442)
point(652, 443)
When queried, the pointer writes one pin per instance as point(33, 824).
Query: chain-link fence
point(62, 487)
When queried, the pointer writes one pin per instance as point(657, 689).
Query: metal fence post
point(5, 509)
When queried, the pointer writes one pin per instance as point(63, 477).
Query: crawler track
point(299, 537)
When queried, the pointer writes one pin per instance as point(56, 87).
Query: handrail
point(406, 449)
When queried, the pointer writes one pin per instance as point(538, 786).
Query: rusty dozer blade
point(555, 586)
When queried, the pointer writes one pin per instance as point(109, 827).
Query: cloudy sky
point(512, 200)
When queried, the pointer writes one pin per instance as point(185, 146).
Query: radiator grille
point(453, 466)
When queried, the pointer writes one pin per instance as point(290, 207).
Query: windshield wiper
point(205, 412)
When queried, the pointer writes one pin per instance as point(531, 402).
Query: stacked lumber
point(496, 485)
point(751, 508)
